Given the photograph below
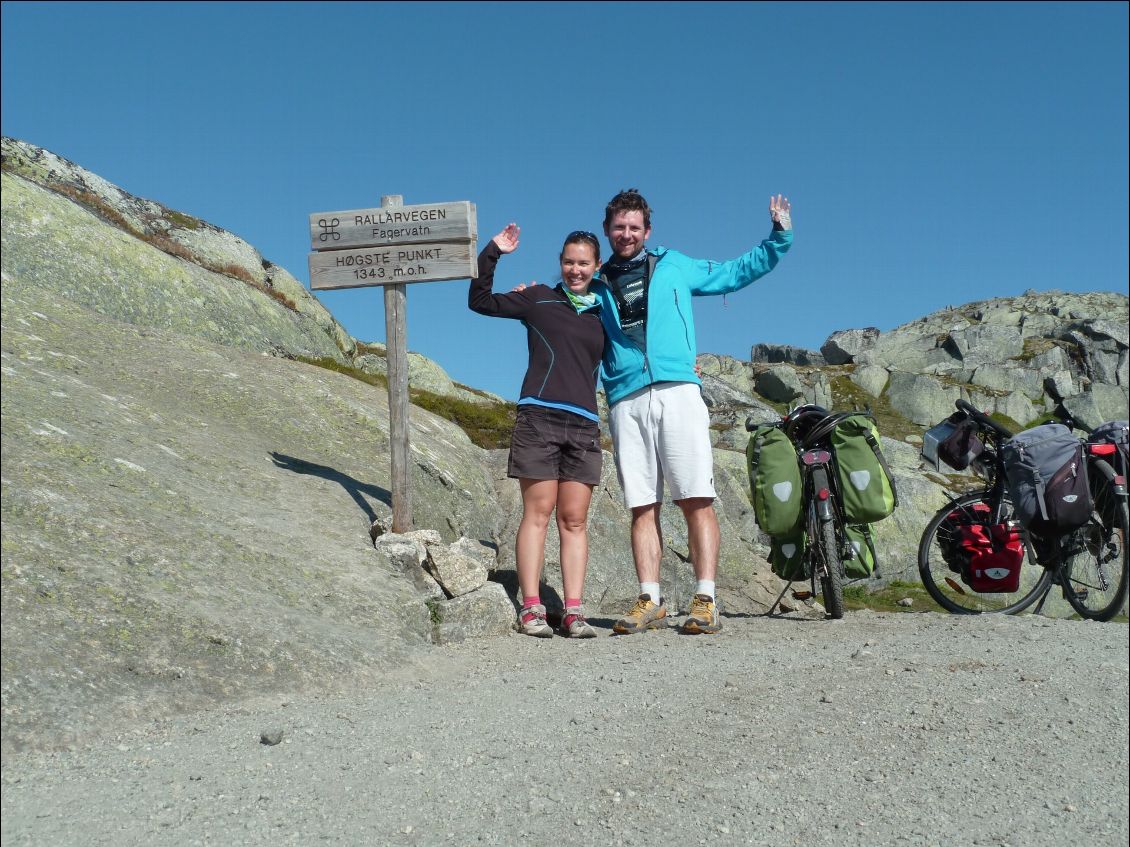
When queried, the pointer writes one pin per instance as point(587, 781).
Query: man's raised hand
point(507, 240)
point(780, 211)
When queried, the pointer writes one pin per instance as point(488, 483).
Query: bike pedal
point(955, 586)
point(802, 595)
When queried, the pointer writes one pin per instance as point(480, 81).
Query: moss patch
point(885, 599)
point(182, 220)
point(488, 426)
point(846, 395)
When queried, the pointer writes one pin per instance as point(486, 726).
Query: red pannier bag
point(994, 554)
point(986, 556)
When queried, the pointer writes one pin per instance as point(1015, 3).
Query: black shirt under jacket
point(565, 345)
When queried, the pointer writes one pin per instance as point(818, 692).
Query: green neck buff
point(580, 301)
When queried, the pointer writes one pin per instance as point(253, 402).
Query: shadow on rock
point(355, 488)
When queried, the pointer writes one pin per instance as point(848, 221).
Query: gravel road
point(902, 729)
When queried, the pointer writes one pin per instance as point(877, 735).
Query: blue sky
point(934, 153)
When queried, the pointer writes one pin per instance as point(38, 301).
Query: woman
point(555, 447)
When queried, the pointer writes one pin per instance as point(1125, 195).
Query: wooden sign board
point(394, 225)
point(393, 265)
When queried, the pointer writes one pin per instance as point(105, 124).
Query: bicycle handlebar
point(1060, 412)
point(983, 419)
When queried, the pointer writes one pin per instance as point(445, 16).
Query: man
point(659, 422)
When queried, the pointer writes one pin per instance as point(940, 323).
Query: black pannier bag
point(962, 445)
point(1046, 472)
point(954, 441)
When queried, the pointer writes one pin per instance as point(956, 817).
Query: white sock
point(705, 586)
point(651, 589)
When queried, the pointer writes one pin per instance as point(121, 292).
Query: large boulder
point(871, 378)
point(779, 384)
point(922, 399)
point(486, 611)
point(843, 346)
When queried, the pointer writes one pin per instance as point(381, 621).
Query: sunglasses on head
point(581, 233)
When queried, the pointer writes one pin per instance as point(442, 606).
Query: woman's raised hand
point(507, 240)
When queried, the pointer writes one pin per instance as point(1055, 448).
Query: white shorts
point(662, 433)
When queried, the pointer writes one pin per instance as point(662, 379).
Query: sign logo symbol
point(330, 230)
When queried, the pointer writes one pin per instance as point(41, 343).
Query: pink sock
point(528, 603)
point(571, 604)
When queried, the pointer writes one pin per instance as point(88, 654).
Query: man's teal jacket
point(671, 351)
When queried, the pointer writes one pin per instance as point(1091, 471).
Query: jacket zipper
point(686, 330)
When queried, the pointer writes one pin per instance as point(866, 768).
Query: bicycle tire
point(1093, 570)
point(832, 580)
point(945, 585)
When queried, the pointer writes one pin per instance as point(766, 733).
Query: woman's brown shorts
point(554, 444)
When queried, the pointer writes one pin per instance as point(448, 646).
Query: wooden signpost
point(392, 246)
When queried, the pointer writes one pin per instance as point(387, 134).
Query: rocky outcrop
point(186, 522)
point(1016, 356)
point(59, 213)
point(775, 354)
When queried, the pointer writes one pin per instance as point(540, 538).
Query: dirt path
point(911, 729)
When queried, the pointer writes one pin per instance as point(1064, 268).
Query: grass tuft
point(487, 425)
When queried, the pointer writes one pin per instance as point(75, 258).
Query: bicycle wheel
point(829, 568)
point(939, 567)
point(1093, 569)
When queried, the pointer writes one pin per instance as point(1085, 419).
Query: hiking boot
point(703, 616)
point(644, 614)
point(531, 621)
point(574, 625)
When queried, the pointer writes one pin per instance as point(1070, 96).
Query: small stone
point(906, 602)
point(270, 737)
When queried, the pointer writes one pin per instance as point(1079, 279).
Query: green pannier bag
point(786, 556)
point(774, 481)
point(867, 489)
point(862, 562)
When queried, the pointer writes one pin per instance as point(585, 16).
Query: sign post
point(392, 246)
